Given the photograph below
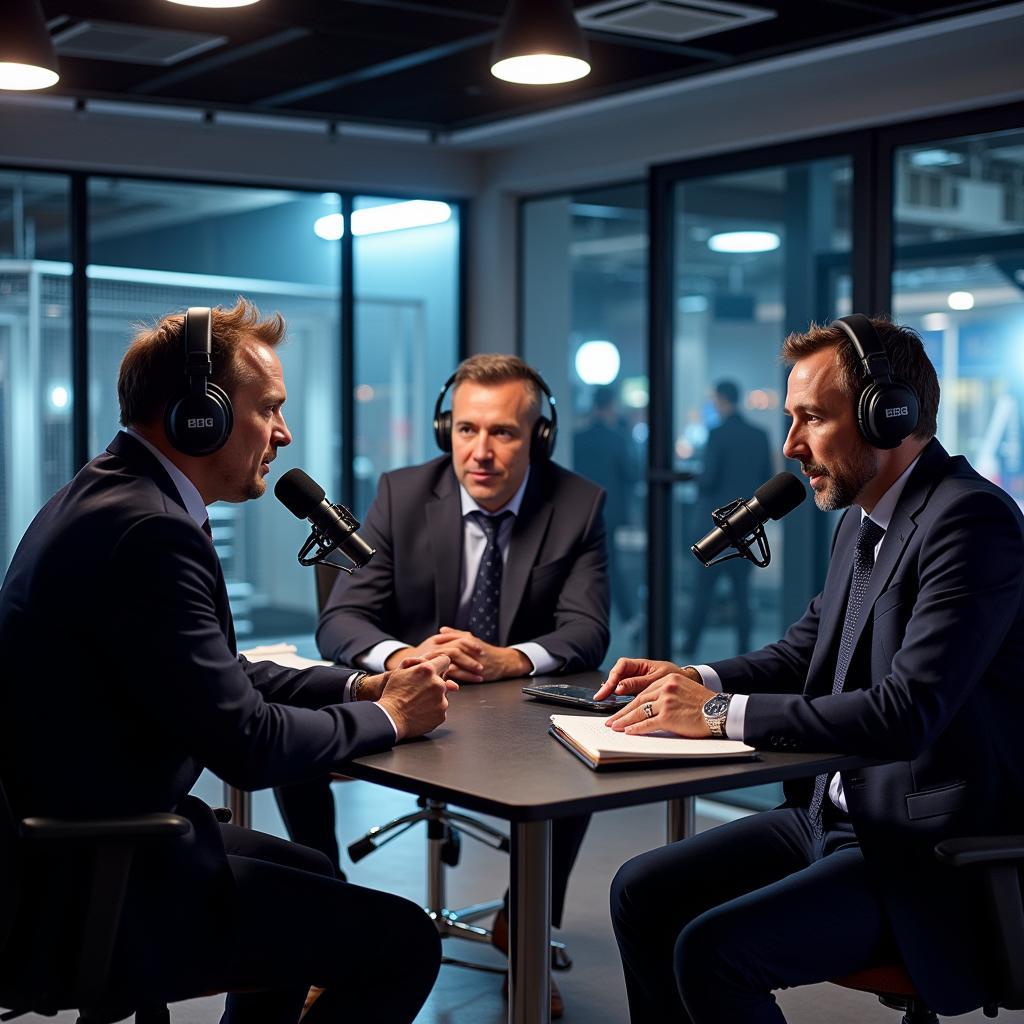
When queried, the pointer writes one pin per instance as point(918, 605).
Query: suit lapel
point(527, 536)
point(444, 531)
point(902, 525)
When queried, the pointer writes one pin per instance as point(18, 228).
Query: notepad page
point(594, 735)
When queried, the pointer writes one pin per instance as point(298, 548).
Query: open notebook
point(601, 748)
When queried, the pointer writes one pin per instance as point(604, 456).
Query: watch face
point(717, 705)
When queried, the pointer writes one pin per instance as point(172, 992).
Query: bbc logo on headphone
point(199, 423)
point(899, 410)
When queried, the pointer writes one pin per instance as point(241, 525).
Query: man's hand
point(463, 650)
point(495, 662)
point(675, 702)
point(633, 675)
point(473, 660)
point(416, 696)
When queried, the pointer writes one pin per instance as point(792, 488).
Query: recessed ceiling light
point(215, 3)
point(374, 220)
point(960, 300)
point(27, 57)
point(936, 158)
point(540, 43)
point(744, 241)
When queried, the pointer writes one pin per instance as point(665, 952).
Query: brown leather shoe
point(499, 939)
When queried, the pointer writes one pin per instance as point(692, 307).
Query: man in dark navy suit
point(910, 656)
point(118, 571)
point(493, 555)
point(737, 460)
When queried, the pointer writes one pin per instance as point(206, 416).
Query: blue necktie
point(863, 562)
point(486, 597)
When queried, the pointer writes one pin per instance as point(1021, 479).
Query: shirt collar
point(882, 512)
point(188, 491)
point(470, 505)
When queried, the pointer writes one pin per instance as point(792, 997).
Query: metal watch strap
point(357, 681)
point(716, 723)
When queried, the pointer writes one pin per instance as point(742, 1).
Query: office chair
point(37, 985)
point(1002, 859)
point(443, 851)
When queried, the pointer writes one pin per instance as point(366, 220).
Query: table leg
point(529, 989)
point(681, 819)
point(239, 802)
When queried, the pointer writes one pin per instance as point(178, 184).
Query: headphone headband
point(545, 430)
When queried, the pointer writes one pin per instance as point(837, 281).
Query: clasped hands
point(675, 695)
point(472, 660)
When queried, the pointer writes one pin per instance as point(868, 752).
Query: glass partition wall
point(36, 393)
point(584, 325)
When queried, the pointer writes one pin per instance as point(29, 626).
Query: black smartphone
point(575, 696)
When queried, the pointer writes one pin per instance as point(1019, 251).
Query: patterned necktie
point(486, 598)
point(863, 562)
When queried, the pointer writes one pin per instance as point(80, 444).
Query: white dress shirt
point(474, 541)
point(734, 722)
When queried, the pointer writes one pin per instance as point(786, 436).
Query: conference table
point(494, 756)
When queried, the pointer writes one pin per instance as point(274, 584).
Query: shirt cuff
point(736, 718)
point(347, 698)
point(708, 676)
point(543, 662)
point(374, 660)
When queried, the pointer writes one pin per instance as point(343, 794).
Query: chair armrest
point(145, 826)
point(959, 853)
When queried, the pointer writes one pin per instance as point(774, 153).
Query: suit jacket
point(737, 460)
point(554, 588)
point(121, 683)
point(933, 692)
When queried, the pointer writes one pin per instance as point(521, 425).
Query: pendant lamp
point(540, 43)
point(27, 57)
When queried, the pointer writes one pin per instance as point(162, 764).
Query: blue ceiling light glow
point(597, 362)
point(744, 241)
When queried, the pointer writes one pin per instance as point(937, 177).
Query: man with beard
point(909, 657)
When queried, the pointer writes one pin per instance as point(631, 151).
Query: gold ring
point(649, 710)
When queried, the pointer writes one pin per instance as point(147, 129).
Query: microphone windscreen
point(299, 493)
point(780, 495)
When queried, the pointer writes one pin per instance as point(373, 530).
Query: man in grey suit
point(491, 554)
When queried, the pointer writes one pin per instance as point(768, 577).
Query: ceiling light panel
point(133, 44)
point(669, 20)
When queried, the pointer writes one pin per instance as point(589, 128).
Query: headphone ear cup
point(443, 430)
point(887, 413)
point(542, 442)
point(200, 424)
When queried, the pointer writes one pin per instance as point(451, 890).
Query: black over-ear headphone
point(887, 409)
point(542, 440)
point(200, 421)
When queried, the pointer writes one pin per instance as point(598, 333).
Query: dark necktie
point(486, 597)
point(863, 562)
point(207, 530)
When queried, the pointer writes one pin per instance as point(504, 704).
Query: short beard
point(846, 479)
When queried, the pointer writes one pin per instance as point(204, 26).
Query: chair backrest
point(10, 868)
point(325, 577)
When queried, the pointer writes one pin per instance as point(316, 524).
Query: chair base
point(442, 851)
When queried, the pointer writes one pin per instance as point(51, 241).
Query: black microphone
point(334, 527)
point(741, 523)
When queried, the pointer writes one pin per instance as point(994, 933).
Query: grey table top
point(494, 756)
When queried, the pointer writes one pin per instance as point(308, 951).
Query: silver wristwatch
point(715, 712)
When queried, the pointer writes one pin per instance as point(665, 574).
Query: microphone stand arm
point(741, 544)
